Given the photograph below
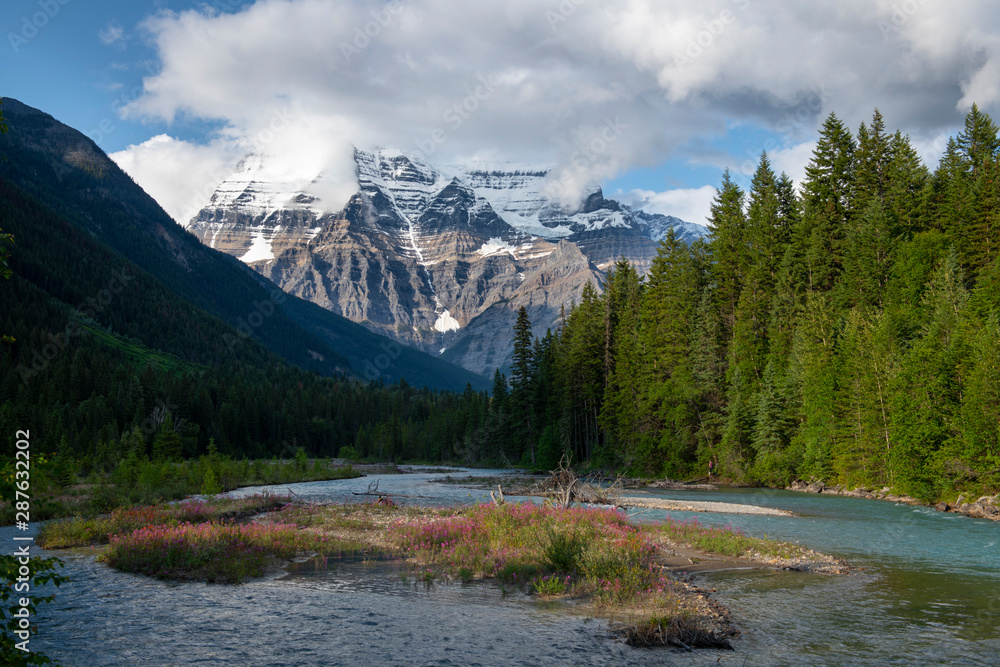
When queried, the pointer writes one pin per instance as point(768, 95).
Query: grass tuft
point(727, 540)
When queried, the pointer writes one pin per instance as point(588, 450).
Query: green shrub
point(563, 550)
point(210, 485)
point(350, 453)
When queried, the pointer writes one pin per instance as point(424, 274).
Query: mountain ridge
point(422, 253)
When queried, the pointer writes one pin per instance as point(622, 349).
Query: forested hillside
point(130, 366)
point(845, 330)
point(122, 334)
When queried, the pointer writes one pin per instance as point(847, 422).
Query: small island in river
point(594, 558)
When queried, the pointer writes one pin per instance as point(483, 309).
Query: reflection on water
point(927, 593)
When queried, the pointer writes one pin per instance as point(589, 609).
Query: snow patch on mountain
point(656, 226)
point(256, 188)
point(260, 249)
point(496, 246)
point(445, 322)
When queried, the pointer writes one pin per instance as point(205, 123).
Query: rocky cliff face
point(438, 259)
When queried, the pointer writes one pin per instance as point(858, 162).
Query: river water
point(926, 592)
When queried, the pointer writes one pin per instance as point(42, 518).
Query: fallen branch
point(373, 491)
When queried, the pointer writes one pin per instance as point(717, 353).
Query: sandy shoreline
point(699, 506)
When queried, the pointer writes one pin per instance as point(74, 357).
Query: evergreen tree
point(867, 366)
point(974, 458)
point(774, 463)
point(167, 443)
point(620, 413)
point(729, 256)
point(582, 373)
point(907, 188)
point(811, 371)
point(872, 164)
point(522, 376)
point(669, 393)
point(826, 196)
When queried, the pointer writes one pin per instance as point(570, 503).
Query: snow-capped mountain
point(437, 257)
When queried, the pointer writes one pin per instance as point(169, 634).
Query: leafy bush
point(551, 584)
point(563, 551)
point(41, 572)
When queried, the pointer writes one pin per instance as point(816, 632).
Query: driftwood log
point(373, 491)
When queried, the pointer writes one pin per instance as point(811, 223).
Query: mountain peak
point(438, 257)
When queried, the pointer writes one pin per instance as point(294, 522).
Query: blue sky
point(650, 98)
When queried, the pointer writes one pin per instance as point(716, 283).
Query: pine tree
point(729, 256)
point(772, 430)
point(872, 164)
point(868, 361)
point(978, 143)
point(767, 236)
point(826, 196)
point(582, 373)
point(620, 412)
point(811, 371)
point(908, 179)
point(966, 193)
point(870, 246)
point(668, 388)
point(522, 376)
point(167, 443)
point(975, 456)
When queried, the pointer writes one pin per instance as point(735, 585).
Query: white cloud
point(179, 175)
point(456, 79)
point(111, 34)
point(931, 149)
point(793, 160)
point(688, 204)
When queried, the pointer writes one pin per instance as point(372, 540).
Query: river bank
point(985, 507)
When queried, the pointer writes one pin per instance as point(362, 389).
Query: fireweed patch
point(84, 532)
point(215, 552)
point(549, 550)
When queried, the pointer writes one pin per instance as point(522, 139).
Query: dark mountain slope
point(57, 165)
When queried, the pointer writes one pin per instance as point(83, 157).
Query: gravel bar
point(699, 506)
